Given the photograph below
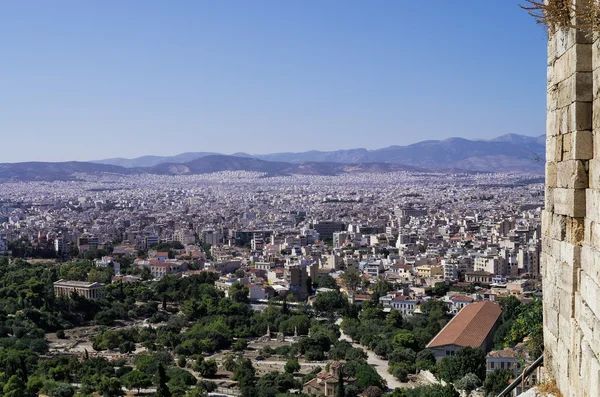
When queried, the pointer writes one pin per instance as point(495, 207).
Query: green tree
point(404, 339)
point(240, 345)
point(367, 376)
point(110, 387)
point(466, 360)
point(497, 381)
point(330, 302)
point(244, 373)
point(339, 390)
point(326, 282)
point(206, 368)
point(196, 392)
point(162, 389)
point(136, 379)
point(425, 360)
point(229, 362)
point(351, 279)
point(468, 383)
point(292, 366)
point(440, 289)
point(529, 322)
point(238, 292)
point(382, 286)
point(14, 387)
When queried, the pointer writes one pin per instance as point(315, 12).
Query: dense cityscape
point(241, 283)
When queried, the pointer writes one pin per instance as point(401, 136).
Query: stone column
point(569, 215)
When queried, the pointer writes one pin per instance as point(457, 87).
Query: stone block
point(565, 322)
point(570, 254)
point(582, 146)
point(567, 281)
point(575, 231)
point(576, 59)
point(554, 148)
point(552, 98)
point(594, 173)
point(558, 228)
point(571, 174)
point(549, 270)
point(549, 199)
point(551, 174)
point(577, 87)
point(547, 243)
point(593, 205)
point(546, 222)
point(551, 322)
point(587, 235)
point(589, 293)
point(570, 202)
point(596, 81)
point(590, 262)
point(595, 117)
point(552, 49)
point(551, 124)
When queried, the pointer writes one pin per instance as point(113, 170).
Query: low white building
point(401, 303)
point(108, 261)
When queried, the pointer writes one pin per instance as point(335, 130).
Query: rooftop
point(469, 327)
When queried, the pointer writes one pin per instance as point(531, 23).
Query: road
point(381, 366)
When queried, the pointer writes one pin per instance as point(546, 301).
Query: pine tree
point(339, 390)
point(162, 390)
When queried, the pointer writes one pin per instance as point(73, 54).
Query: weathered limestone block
point(595, 117)
point(593, 205)
point(551, 322)
point(566, 310)
point(594, 374)
point(576, 59)
point(596, 81)
point(577, 87)
point(594, 173)
point(570, 202)
point(567, 38)
point(589, 292)
point(558, 228)
point(571, 174)
point(575, 231)
point(590, 262)
point(570, 254)
point(582, 146)
point(554, 149)
point(549, 199)
point(547, 244)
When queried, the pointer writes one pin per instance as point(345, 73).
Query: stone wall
point(571, 221)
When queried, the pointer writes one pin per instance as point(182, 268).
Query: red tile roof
point(470, 327)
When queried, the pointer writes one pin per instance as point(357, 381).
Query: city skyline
point(89, 82)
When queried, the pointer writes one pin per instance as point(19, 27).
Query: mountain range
point(508, 153)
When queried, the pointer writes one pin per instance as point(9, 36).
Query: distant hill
point(507, 153)
point(149, 161)
point(38, 171)
point(216, 163)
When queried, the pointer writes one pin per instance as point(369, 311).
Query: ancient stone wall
point(571, 221)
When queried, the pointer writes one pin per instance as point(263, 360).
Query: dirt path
point(381, 366)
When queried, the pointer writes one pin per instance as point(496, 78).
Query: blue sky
point(82, 80)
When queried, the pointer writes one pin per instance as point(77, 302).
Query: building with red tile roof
point(473, 326)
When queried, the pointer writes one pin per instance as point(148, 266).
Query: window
point(492, 365)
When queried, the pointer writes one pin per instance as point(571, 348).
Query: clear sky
point(83, 80)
